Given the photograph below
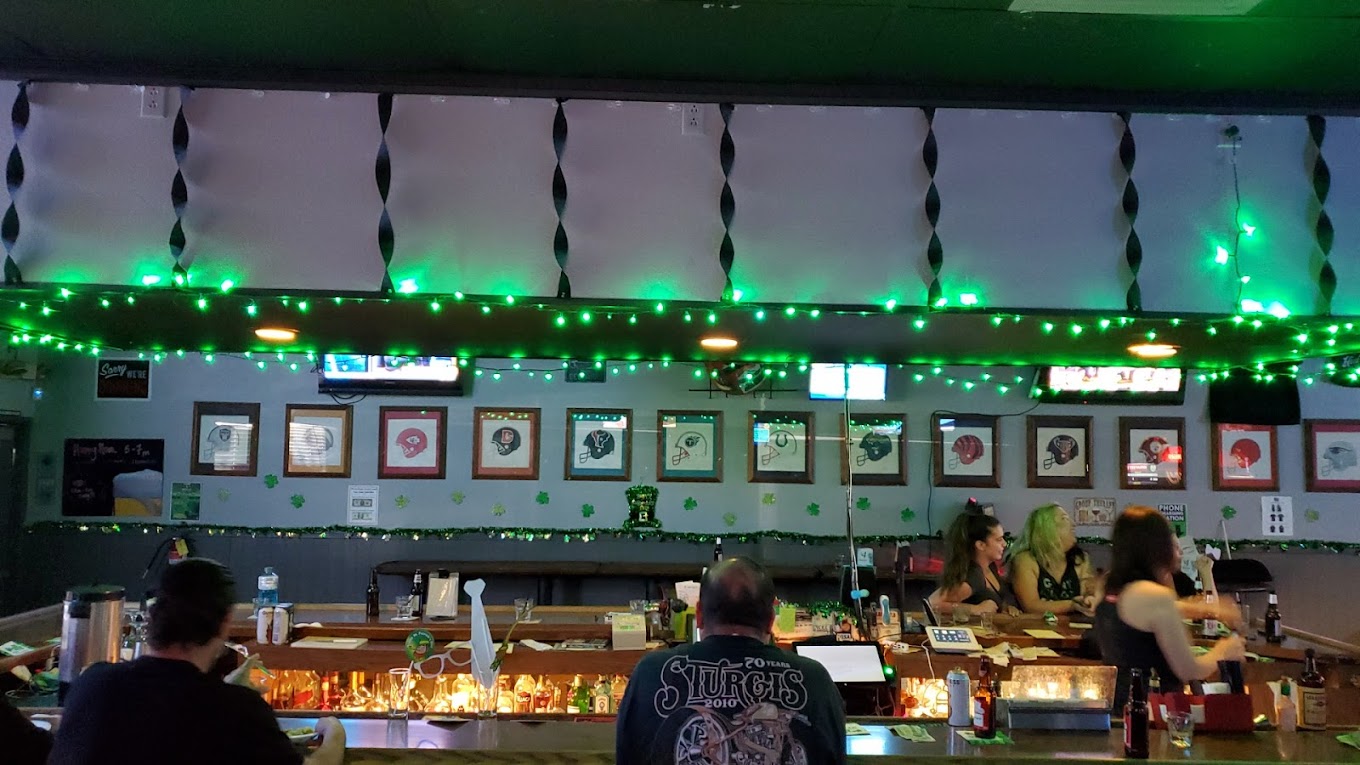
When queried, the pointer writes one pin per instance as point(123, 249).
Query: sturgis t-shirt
point(730, 699)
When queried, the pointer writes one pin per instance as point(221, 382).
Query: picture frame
point(1152, 453)
point(318, 440)
point(964, 450)
point(877, 442)
point(599, 445)
point(505, 443)
point(779, 447)
point(1244, 457)
point(1059, 452)
point(1329, 448)
point(226, 439)
point(412, 442)
point(689, 446)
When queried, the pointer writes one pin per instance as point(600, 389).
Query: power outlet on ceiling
point(153, 101)
point(692, 119)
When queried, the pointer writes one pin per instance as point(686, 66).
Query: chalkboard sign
point(123, 378)
point(113, 476)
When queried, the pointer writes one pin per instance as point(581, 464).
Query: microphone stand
point(850, 517)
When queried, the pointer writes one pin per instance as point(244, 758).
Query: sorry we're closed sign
point(123, 378)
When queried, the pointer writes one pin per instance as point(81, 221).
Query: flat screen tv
point(1110, 385)
point(864, 382)
point(343, 373)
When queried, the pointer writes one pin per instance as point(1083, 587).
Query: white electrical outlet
point(692, 119)
point(153, 101)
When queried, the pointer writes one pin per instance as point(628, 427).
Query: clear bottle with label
point(268, 588)
point(543, 696)
point(1312, 695)
point(524, 695)
point(602, 697)
point(505, 696)
point(616, 691)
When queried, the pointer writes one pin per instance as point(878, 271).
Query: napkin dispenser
point(443, 596)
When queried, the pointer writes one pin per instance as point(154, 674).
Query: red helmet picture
point(413, 442)
point(1152, 448)
point(968, 448)
point(1244, 453)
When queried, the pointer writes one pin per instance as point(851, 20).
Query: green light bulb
point(251, 309)
point(561, 320)
point(486, 309)
point(736, 296)
point(547, 376)
point(1221, 255)
point(586, 318)
point(227, 285)
point(150, 279)
point(509, 299)
point(890, 304)
point(1104, 323)
point(814, 313)
point(104, 302)
point(918, 377)
point(968, 298)
point(632, 319)
point(1048, 327)
point(712, 318)
point(760, 315)
point(435, 306)
point(919, 324)
point(996, 321)
point(790, 311)
point(1076, 329)
point(202, 304)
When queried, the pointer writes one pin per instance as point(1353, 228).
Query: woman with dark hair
point(976, 543)
point(1139, 623)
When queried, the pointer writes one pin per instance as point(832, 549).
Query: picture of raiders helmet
point(689, 444)
point(506, 439)
point(1339, 456)
point(873, 447)
point(599, 444)
point(413, 442)
point(1062, 449)
point(220, 437)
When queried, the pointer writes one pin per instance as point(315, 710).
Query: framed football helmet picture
point(505, 443)
point(1152, 453)
point(1244, 457)
point(1059, 450)
point(873, 450)
point(964, 450)
point(689, 445)
point(779, 447)
point(1329, 448)
point(599, 445)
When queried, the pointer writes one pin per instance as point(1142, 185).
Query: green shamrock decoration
point(498, 509)
point(862, 503)
point(691, 503)
point(297, 500)
point(814, 509)
point(271, 480)
point(1311, 515)
point(908, 515)
point(767, 498)
point(1229, 512)
point(730, 519)
point(458, 497)
point(223, 495)
point(587, 510)
point(542, 498)
point(402, 500)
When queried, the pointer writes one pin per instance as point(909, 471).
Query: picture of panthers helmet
point(506, 439)
point(689, 444)
point(966, 450)
point(1244, 453)
point(1062, 449)
point(1152, 448)
point(781, 442)
point(413, 442)
point(599, 444)
point(1339, 456)
point(873, 447)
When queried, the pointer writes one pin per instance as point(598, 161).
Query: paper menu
point(1277, 516)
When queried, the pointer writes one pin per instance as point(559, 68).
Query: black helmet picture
point(219, 438)
point(599, 444)
point(1062, 449)
point(689, 445)
point(506, 439)
point(1338, 457)
point(873, 447)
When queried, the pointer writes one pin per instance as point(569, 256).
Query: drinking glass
point(1180, 727)
point(985, 622)
point(637, 606)
point(1247, 632)
point(398, 691)
point(524, 609)
point(405, 607)
point(961, 615)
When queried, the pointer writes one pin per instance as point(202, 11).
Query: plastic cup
point(1180, 727)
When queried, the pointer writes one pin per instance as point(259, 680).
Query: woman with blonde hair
point(1048, 571)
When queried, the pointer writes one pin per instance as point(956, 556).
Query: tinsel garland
point(589, 535)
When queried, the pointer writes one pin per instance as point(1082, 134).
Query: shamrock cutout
point(498, 509)
point(691, 503)
point(862, 503)
point(767, 498)
point(402, 500)
point(271, 480)
point(814, 509)
point(458, 497)
point(587, 510)
point(223, 495)
point(730, 519)
point(297, 500)
point(542, 498)
point(1311, 515)
point(1229, 512)
point(908, 515)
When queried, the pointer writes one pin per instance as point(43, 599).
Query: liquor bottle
point(717, 550)
point(524, 695)
point(1274, 625)
point(579, 703)
point(1210, 629)
point(505, 696)
point(417, 591)
point(543, 696)
point(602, 698)
point(984, 703)
point(616, 690)
point(1154, 682)
point(371, 595)
point(1136, 718)
point(1312, 698)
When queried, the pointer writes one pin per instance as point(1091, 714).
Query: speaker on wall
point(1243, 400)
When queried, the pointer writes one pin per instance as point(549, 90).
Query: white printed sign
point(1277, 516)
point(363, 505)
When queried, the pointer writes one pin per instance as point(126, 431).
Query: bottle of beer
point(1136, 718)
point(717, 550)
point(371, 597)
point(417, 593)
point(984, 702)
point(1274, 626)
point(1312, 699)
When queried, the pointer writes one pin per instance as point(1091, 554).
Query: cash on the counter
point(855, 729)
point(914, 733)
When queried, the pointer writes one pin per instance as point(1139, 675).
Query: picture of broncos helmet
point(1061, 449)
point(873, 447)
point(506, 440)
point(599, 444)
point(689, 444)
point(1338, 457)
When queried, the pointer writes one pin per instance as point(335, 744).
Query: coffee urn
point(91, 631)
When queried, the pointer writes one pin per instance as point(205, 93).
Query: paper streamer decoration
point(930, 156)
point(727, 202)
point(179, 192)
point(14, 180)
point(1323, 232)
point(483, 650)
point(1133, 247)
point(561, 246)
point(382, 174)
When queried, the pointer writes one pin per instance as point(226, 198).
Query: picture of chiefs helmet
point(413, 442)
point(506, 440)
point(966, 450)
point(873, 447)
point(1152, 448)
point(689, 444)
point(1244, 453)
point(1338, 457)
point(781, 442)
point(599, 444)
point(1062, 449)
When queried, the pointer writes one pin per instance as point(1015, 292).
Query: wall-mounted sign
point(113, 477)
point(123, 379)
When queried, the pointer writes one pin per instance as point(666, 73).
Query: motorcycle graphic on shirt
point(762, 734)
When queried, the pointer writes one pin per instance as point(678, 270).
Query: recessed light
point(1153, 350)
point(276, 334)
point(718, 343)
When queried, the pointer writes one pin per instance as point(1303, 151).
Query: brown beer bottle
point(984, 702)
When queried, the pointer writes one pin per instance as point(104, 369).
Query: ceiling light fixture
point(1153, 350)
point(718, 343)
point(276, 334)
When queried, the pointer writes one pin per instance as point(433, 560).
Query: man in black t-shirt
point(165, 708)
point(732, 697)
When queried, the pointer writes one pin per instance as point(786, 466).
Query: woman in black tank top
point(1048, 572)
point(976, 543)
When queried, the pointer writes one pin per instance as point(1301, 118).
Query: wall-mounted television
point(1110, 385)
point(394, 375)
point(857, 382)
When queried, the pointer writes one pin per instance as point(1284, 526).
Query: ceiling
point(1281, 55)
point(168, 319)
